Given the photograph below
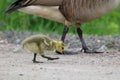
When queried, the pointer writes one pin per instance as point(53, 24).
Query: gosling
point(40, 43)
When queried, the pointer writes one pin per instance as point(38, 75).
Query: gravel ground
point(16, 63)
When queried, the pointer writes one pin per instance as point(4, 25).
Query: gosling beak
point(59, 52)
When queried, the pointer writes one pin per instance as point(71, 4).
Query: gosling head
point(59, 46)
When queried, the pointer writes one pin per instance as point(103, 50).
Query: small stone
point(21, 74)
point(103, 49)
point(41, 68)
point(72, 51)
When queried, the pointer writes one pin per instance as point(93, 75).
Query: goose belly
point(51, 13)
point(88, 15)
point(85, 15)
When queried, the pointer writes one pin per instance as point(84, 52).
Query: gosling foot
point(36, 61)
point(49, 58)
point(52, 58)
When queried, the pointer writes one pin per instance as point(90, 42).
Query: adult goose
point(69, 12)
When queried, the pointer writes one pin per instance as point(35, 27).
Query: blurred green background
point(18, 21)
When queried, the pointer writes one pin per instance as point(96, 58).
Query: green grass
point(18, 21)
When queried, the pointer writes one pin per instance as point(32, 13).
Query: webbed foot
point(52, 58)
point(36, 61)
point(91, 51)
point(49, 58)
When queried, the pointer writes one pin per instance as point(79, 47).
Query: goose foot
point(91, 51)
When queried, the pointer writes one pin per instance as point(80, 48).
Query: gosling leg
point(84, 46)
point(34, 59)
point(49, 58)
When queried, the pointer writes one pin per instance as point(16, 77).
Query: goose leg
point(84, 46)
point(65, 30)
point(49, 58)
point(34, 59)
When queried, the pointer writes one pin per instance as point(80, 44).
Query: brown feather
point(78, 11)
point(73, 11)
point(24, 3)
point(46, 2)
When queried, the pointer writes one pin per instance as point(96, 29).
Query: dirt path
point(16, 64)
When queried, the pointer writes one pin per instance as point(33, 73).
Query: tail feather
point(14, 6)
